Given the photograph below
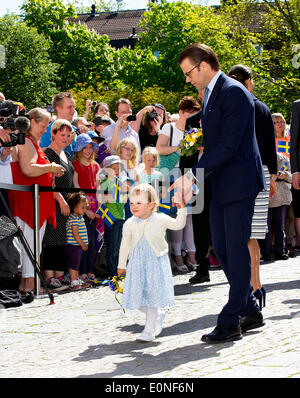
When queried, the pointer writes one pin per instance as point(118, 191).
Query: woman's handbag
point(168, 162)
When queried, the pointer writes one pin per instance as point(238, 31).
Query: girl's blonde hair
point(133, 162)
point(149, 192)
point(78, 156)
point(150, 150)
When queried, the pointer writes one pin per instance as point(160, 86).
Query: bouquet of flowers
point(116, 285)
point(192, 140)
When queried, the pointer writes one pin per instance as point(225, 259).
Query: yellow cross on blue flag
point(285, 167)
point(164, 207)
point(116, 190)
point(106, 215)
point(283, 147)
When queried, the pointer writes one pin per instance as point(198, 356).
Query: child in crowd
point(127, 150)
point(148, 284)
point(77, 238)
point(278, 206)
point(86, 172)
point(112, 233)
point(147, 173)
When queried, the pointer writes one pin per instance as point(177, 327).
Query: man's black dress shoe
point(199, 279)
point(222, 334)
point(281, 256)
point(252, 322)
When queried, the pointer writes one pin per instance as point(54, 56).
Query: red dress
point(21, 203)
point(87, 180)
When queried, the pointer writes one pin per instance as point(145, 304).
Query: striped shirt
point(79, 222)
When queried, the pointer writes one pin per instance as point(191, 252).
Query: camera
point(94, 103)
point(15, 139)
point(131, 118)
point(152, 115)
point(10, 112)
point(49, 108)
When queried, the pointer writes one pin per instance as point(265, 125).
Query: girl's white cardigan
point(154, 229)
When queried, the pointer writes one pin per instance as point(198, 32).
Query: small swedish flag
point(106, 215)
point(164, 208)
point(116, 190)
point(285, 167)
point(283, 146)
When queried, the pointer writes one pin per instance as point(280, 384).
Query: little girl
point(86, 172)
point(77, 238)
point(148, 174)
point(148, 285)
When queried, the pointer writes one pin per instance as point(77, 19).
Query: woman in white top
point(167, 143)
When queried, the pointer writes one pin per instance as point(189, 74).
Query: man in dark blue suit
point(232, 164)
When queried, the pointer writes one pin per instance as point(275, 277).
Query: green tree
point(100, 6)
point(29, 74)
point(276, 28)
point(81, 53)
point(169, 27)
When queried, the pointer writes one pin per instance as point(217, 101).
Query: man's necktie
point(205, 99)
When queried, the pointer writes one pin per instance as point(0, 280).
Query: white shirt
point(5, 169)
point(212, 83)
point(154, 229)
point(108, 132)
point(177, 134)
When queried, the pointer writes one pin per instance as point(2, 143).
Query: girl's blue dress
point(149, 279)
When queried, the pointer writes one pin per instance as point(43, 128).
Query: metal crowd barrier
point(35, 189)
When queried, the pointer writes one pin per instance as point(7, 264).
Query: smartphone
point(131, 118)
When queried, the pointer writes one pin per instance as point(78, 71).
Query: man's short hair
point(199, 52)
point(122, 101)
point(58, 98)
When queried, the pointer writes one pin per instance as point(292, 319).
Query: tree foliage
point(82, 55)
point(29, 74)
point(277, 32)
point(259, 34)
point(169, 27)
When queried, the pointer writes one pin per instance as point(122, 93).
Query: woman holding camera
point(153, 120)
point(30, 166)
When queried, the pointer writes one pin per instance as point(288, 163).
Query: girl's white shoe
point(146, 336)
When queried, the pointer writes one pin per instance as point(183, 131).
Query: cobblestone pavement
point(86, 335)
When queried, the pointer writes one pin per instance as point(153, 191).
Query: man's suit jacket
point(295, 137)
point(231, 158)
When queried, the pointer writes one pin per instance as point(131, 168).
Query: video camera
point(13, 117)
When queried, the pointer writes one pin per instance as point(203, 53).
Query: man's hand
point(296, 180)
point(183, 192)
point(4, 135)
point(6, 152)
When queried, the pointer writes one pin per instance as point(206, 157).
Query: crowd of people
point(108, 156)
